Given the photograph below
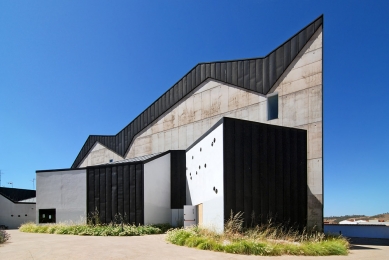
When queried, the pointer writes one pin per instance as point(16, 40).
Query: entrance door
point(189, 216)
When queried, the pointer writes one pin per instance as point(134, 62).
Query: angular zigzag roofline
point(254, 74)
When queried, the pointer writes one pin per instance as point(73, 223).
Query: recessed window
point(47, 215)
point(272, 107)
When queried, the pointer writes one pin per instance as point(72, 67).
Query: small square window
point(272, 107)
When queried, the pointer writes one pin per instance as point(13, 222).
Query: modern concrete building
point(283, 89)
point(17, 206)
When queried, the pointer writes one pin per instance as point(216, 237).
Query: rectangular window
point(47, 216)
point(272, 107)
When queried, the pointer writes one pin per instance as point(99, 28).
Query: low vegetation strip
point(95, 230)
point(265, 240)
point(195, 237)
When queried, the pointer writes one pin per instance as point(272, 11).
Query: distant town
point(380, 218)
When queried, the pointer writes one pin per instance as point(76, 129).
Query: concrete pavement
point(47, 246)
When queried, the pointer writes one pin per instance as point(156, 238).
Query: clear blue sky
point(69, 69)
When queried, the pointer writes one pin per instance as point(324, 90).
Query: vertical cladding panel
point(194, 75)
point(247, 171)
point(139, 194)
point(265, 78)
point(126, 187)
point(302, 177)
point(202, 72)
point(91, 191)
point(184, 86)
point(246, 74)
point(207, 70)
point(286, 54)
point(271, 170)
point(272, 69)
point(97, 189)
point(132, 194)
point(223, 71)
point(213, 70)
point(294, 47)
point(189, 82)
point(294, 205)
point(279, 188)
point(108, 194)
point(279, 61)
point(238, 171)
point(259, 75)
point(229, 72)
point(114, 195)
point(177, 179)
point(175, 94)
point(234, 72)
point(310, 30)
point(255, 184)
point(302, 39)
point(252, 75)
point(180, 90)
point(142, 120)
point(286, 172)
point(263, 176)
point(120, 191)
point(229, 167)
point(240, 74)
point(218, 74)
point(198, 75)
point(103, 185)
point(318, 23)
point(171, 98)
point(126, 142)
point(152, 112)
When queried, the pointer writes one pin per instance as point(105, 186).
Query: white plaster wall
point(19, 212)
point(201, 185)
point(157, 191)
point(65, 191)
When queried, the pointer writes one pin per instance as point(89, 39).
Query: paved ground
point(46, 246)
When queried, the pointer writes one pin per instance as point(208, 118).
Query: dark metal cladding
point(126, 191)
point(252, 75)
point(246, 74)
point(265, 173)
point(259, 76)
point(223, 71)
point(272, 69)
point(180, 90)
point(178, 179)
point(229, 72)
point(139, 194)
point(132, 194)
point(279, 62)
point(213, 70)
point(241, 73)
point(202, 69)
point(108, 194)
point(218, 73)
point(198, 75)
point(207, 70)
point(265, 77)
point(102, 207)
point(234, 72)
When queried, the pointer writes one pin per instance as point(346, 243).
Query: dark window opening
point(272, 107)
point(47, 216)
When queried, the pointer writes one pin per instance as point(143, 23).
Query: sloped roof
point(16, 195)
point(256, 74)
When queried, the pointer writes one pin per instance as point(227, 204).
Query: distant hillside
point(337, 219)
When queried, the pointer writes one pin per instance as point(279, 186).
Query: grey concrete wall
point(205, 170)
point(15, 214)
point(65, 191)
point(99, 154)
point(157, 191)
point(300, 104)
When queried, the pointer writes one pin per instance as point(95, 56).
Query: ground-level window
point(272, 106)
point(47, 216)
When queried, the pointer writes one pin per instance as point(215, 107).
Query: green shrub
point(95, 229)
point(4, 236)
point(266, 240)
